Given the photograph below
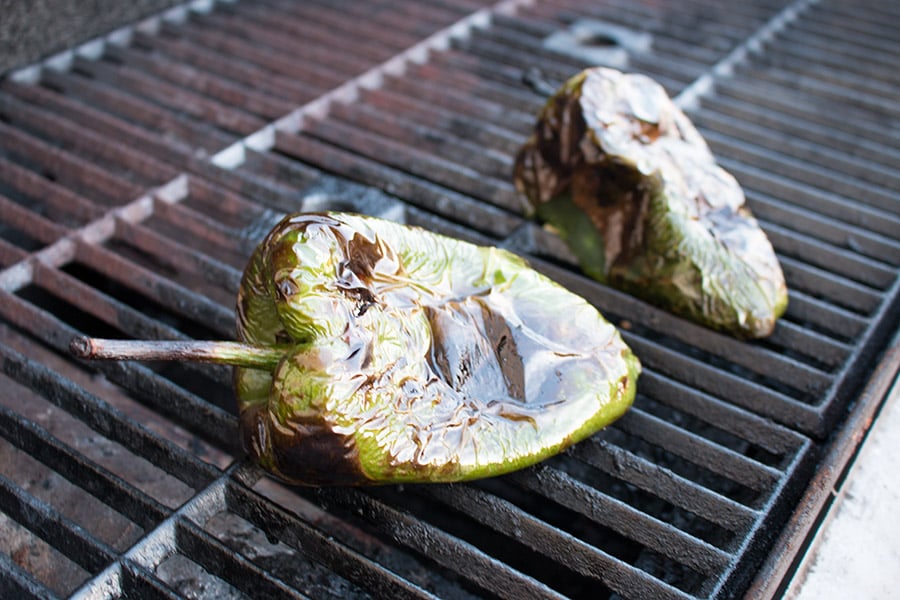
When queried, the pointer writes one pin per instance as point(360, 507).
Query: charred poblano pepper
point(382, 353)
point(625, 178)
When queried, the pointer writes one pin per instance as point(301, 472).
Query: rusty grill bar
point(136, 179)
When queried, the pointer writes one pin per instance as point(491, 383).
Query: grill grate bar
point(91, 119)
point(234, 121)
point(215, 423)
point(830, 80)
point(161, 290)
point(349, 91)
point(458, 59)
point(515, 97)
point(105, 308)
point(85, 143)
point(442, 171)
point(811, 251)
point(218, 559)
point(10, 254)
point(327, 59)
point(56, 202)
point(465, 560)
point(78, 469)
point(729, 24)
point(150, 551)
point(201, 82)
point(181, 533)
point(426, 194)
point(315, 76)
point(720, 414)
point(803, 172)
point(433, 93)
point(503, 46)
point(825, 317)
point(808, 344)
point(179, 50)
point(558, 486)
point(717, 459)
point(193, 412)
point(416, 19)
point(179, 257)
point(833, 288)
point(666, 485)
point(425, 139)
point(817, 136)
point(826, 230)
point(838, 38)
point(133, 581)
point(200, 227)
point(137, 110)
point(105, 419)
point(377, 50)
point(722, 384)
point(553, 543)
point(42, 519)
point(66, 167)
point(291, 530)
point(17, 583)
point(782, 102)
point(811, 198)
point(448, 120)
point(386, 29)
point(36, 227)
point(821, 153)
point(724, 32)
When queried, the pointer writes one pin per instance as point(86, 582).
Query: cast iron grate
point(135, 181)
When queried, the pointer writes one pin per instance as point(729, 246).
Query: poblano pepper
point(624, 177)
point(375, 352)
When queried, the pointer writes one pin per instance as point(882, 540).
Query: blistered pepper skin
point(412, 357)
point(625, 178)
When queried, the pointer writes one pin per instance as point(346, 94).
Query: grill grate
point(135, 181)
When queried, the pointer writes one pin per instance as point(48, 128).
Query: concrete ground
point(857, 551)
point(31, 30)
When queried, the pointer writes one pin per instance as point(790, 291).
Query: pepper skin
point(624, 177)
point(413, 357)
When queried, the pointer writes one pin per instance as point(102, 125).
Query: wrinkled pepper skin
point(625, 178)
point(412, 357)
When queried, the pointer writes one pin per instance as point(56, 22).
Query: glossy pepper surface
point(625, 178)
point(413, 357)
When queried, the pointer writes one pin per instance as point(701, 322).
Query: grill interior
point(137, 174)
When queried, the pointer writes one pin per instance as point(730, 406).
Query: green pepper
point(628, 182)
point(383, 353)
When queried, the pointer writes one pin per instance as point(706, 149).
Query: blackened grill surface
point(134, 185)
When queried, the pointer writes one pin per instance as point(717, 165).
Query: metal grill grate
point(135, 181)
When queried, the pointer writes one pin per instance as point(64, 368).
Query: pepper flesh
point(625, 178)
point(412, 357)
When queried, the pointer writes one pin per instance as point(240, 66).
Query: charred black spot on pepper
point(286, 289)
point(314, 454)
point(253, 430)
point(363, 306)
point(362, 256)
point(506, 353)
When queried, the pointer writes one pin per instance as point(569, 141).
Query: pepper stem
point(220, 352)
